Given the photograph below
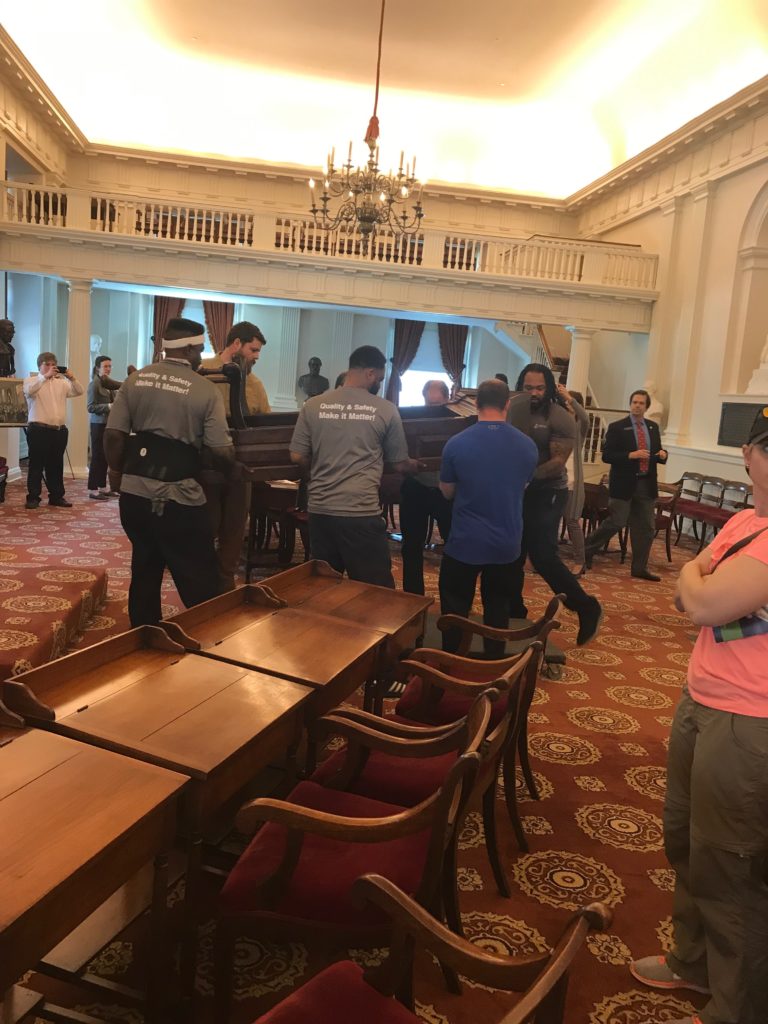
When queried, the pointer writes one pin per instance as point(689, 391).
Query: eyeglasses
point(534, 387)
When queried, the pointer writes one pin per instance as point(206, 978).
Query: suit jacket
point(619, 442)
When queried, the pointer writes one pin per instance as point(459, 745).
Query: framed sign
point(13, 404)
point(735, 420)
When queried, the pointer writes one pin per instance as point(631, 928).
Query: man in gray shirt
point(161, 418)
point(537, 413)
point(342, 438)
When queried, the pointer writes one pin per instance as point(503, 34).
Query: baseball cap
point(759, 429)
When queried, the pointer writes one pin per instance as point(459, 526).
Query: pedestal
point(758, 384)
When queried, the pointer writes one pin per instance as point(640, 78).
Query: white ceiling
point(539, 98)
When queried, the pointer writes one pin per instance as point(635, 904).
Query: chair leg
point(703, 538)
point(623, 544)
point(525, 764)
point(491, 841)
point(668, 541)
point(451, 891)
point(223, 969)
point(510, 798)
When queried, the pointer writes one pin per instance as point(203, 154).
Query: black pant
point(97, 471)
point(181, 538)
point(356, 545)
point(417, 504)
point(46, 447)
point(542, 511)
point(457, 592)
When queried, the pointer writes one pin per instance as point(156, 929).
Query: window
point(412, 384)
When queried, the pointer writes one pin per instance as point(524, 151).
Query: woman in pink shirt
point(716, 809)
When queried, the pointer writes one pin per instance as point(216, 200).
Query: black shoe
point(589, 622)
point(60, 503)
point(645, 575)
point(32, 503)
point(588, 556)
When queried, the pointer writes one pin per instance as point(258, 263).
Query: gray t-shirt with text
point(349, 434)
point(556, 424)
point(168, 398)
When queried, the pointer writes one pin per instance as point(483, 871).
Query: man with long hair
point(537, 413)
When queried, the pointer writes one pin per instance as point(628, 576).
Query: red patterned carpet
point(598, 745)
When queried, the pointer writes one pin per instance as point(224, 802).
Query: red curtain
point(166, 308)
point(219, 317)
point(453, 345)
point(407, 337)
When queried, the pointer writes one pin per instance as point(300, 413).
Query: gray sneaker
point(656, 973)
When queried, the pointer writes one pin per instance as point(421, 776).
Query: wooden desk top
point(292, 643)
point(64, 808)
point(164, 706)
point(316, 587)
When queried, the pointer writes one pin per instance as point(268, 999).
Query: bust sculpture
point(7, 351)
point(655, 410)
point(313, 383)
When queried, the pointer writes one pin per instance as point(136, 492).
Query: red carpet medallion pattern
point(598, 747)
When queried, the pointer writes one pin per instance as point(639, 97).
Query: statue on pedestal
point(313, 383)
point(655, 409)
point(7, 351)
point(758, 384)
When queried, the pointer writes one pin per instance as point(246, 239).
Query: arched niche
point(748, 322)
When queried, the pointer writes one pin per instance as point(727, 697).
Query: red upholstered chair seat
point(449, 708)
point(319, 886)
point(338, 995)
point(406, 781)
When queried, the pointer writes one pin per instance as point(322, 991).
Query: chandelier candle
point(368, 198)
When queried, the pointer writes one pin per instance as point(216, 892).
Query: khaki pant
point(716, 839)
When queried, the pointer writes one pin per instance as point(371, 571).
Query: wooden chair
point(690, 493)
point(595, 506)
point(463, 631)
point(296, 875)
point(346, 994)
point(405, 764)
point(441, 690)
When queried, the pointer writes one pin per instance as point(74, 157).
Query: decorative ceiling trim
point(724, 117)
point(18, 71)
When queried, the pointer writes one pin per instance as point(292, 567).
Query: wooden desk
point(316, 587)
point(141, 695)
point(248, 627)
point(77, 823)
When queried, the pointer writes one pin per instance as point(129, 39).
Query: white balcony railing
point(565, 260)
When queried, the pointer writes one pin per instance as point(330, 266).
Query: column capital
point(581, 333)
point(80, 284)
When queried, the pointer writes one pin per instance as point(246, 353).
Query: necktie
point(642, 442)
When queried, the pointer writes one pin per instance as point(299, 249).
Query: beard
point(373, 389)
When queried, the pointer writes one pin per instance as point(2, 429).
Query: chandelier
point(370, 200)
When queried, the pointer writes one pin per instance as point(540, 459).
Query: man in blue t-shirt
point(485, 470)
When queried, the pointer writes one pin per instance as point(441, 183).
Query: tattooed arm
point(559, 450)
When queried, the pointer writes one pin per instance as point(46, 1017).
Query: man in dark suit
point(633, 449)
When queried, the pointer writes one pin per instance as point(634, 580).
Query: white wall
point(617, 366)
point(699, 351)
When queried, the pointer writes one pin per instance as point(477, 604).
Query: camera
point(61, 369)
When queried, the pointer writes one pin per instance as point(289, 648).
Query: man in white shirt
point(47, 394)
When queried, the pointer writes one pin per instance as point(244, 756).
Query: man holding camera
point(47, 394)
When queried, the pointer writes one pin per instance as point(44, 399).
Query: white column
point(685, 339)
point(79, 362)
point(341, 345)
point(578, 361)
point(287, 370)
